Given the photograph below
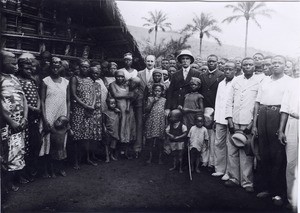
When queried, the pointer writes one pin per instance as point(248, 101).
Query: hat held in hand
point(208, 116)
point(239, 139)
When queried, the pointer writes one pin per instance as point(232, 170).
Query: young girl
point(155, 124)
point(111, 121)
point(157, 78)
point(198, 142)
point(193, 103)
point(58, 138)
point(177, 133)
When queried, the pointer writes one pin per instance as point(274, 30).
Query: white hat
point(208, 116)
point(239, 139)
point(128, 56)
point(187, 53)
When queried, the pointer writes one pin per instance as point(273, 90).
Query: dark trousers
point(272, 152)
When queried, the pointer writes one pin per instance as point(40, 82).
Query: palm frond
point(232, 18)
point(258, 6)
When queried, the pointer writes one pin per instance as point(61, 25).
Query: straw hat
point(186, 53)
point(239, 139)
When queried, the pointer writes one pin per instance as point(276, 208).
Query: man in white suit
point(146, 74)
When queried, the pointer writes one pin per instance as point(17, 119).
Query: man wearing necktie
point(180, 81)
point(146, 74)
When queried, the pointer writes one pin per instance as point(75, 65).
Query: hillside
point(141, 35)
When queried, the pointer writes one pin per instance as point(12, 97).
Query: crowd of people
point(238, 118)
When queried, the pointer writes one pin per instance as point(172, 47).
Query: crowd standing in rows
point(233, 116)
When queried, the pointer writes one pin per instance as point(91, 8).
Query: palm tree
point(205, 25)
point(248, 10)
point(157, 21)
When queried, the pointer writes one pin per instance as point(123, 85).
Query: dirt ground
point(131, 185)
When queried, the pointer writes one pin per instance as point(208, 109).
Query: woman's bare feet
point(173, 168)
point(91, 163)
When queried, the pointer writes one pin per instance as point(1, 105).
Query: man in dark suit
point(209, 86)
point(210, 81)
point(179, 86)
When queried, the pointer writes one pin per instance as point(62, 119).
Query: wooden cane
point(189, 162)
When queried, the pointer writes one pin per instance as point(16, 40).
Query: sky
point(279, 34)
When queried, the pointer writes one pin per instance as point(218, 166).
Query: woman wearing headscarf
point(120, 91)
point(129, 72)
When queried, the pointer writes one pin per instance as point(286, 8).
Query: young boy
point(176, 131)
point(198, 142)
point(111, 120)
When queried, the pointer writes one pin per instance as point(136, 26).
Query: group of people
point(232, 116)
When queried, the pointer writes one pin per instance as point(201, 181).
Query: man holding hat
point(239, 113)
point(180, 81)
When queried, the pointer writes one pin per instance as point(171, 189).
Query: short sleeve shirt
point(197, 137)
point(271, 91)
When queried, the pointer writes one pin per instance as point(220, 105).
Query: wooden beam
point(114, 43)
point(45, 38)
point(104, 28)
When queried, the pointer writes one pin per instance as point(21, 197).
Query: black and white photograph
point(149, 106)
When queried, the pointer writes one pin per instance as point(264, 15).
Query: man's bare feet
point(107, 160)
point(197, 170)
point(180, 170)
point(148, 161)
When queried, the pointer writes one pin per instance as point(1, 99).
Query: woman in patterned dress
point(120, 91)
point(55, 102)
point(32, 136)
point(83, 93)
point(14, 111)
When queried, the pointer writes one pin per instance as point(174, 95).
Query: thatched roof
point(68, 28)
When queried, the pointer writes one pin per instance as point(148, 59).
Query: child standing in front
point(193, 103)
point(155, 123)
point(58, 139)
point(111, 121)
point(198, 142)
point(177, 132)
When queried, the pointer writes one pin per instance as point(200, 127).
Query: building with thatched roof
point(70, 29)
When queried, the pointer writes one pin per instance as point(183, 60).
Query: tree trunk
point(246, 37)
point(155, 36)
point(201, 37)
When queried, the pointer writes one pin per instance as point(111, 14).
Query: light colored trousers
point(208, 155)
point(240, 168)
point(221, 148)
point(292, 137)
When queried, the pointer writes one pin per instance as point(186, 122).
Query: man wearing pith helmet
point(180, 81)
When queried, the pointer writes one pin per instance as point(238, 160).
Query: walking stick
point(189, 162)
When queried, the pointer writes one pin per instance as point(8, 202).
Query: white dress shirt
point(149, 74)
point(221, 100)
point(271, 91)
point(241, 99)
point(185, 72)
